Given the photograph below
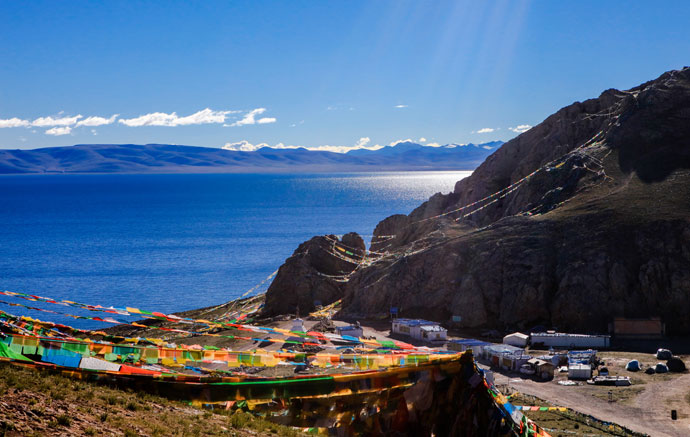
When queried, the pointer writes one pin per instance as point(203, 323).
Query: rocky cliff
point(580, 219)
point(316, 272)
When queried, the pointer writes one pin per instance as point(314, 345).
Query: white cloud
point(422, 140)
point(13, 122)
point(362, 142)
point(97, 121)
point(400, 106)
point(485, 130)
point(50, 121)
point(93, 131)
point(521, 128)
point(433, 145)
point(151, 119)
point(57, 131)
point(250, 118)
point(205, 116)
point(339, 107)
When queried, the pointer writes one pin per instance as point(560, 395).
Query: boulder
point(633, 366)
point(661, 368)
point(663, 354)
point(675, 364)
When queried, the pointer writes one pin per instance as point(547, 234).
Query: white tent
point(516, 339)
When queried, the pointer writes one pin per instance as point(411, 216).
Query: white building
point(350, 330)
point(579, 371)
point(505, 356)
point(517, 339)
point(569, 341)
point(298, 325)
point(420, 330)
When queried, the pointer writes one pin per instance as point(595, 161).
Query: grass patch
point(64, 420)
point(623, 395)
point(91, 409)
point(565, 422)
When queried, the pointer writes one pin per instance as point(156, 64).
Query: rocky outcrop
point(314, 273)
point(580, 219)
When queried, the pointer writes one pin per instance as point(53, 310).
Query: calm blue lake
point(175, 242)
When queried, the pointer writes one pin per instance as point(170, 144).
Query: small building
point(505, 356)
point(476, 346)
point(651, 328)
point(298, 325)
point(543, 369)
point(579, 371)
point(569, 341)
point(557, 359)
point(420, 330)
point(351, 330)
point(516, 339)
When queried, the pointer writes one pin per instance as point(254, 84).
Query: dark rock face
point(601, 230)
point(313, 273)
point(354, 243)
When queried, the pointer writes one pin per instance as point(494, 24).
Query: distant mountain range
point(166, 158)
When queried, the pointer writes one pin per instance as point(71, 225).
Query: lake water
point(175, 242)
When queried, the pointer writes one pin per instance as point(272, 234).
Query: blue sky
point(317, 74)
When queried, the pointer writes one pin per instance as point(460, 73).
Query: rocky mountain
point(165, 158)
point(583, 218)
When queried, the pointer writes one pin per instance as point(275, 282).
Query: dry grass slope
point(38, 403)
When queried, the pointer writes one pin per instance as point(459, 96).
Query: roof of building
point(433, 328)
point(539, 362)
point(518, 334)
point(585, 353)
point(565, 334)
point(414, 322)
point(471, 342)
point(348, 328)
point(504, 349)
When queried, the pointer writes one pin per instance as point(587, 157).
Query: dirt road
point(653, 406)
point(649, 413)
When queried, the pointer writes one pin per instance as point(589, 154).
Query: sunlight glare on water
point(175, 242)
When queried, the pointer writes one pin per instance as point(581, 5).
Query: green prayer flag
point(8, 352)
